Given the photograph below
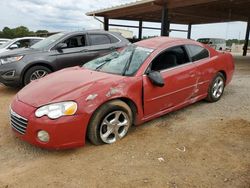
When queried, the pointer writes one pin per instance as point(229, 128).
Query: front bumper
point(10, 74)
point(66, 132)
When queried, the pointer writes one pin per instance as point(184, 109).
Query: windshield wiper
point(101, 65)
point(128, 63)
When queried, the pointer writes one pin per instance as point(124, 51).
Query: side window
point(23, 43)
point(171, 58)
point(197, 52)
point(113, 39)
point(34, 41)
point(76, 41)
point(99, 39)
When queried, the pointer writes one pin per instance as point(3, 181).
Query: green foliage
point(236, 41)
point(42, 32)
point(20, 31)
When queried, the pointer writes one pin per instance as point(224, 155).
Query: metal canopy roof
point(180, 11)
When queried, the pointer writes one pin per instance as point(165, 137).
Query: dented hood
point(65, 85)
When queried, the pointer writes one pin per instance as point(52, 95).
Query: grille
point(18, 122)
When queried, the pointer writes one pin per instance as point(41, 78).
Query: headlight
point(57, 110)
point(10, 59)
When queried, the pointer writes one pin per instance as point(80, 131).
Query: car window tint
point(171, 58)
point(23, 43)
point(98, 39)
point(113, 39)
point(34, 41)
point(76, 41)
point(197, 52)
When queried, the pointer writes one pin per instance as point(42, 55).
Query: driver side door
point(75, 53)
point(180, 79)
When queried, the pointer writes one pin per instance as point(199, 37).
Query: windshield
point(6, 44)
point(127, 62)
point(204, 41)
point(45, 43)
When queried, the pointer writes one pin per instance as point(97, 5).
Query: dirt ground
point(203, 145)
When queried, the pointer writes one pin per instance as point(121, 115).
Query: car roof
point(28, 38)
point(86, 31)
point(157, 42)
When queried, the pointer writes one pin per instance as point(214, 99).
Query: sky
point(69, 15)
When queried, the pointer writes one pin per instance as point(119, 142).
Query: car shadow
point(8, 90)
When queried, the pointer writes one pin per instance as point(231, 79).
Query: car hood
point(21, 51)
point(65, 85)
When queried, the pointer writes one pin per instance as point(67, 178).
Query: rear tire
point(35, 73)
point(216, 88)
point(110, 123)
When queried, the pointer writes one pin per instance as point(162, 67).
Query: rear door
point(180, 79)
point(201, 58)
point(102, 43)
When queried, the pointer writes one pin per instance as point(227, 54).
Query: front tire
point(216, 88)
point(35, 73)
point(110, 123)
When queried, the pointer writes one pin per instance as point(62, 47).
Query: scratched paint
point(91, 97)
point(113, 91)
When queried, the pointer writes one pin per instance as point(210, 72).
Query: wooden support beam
point(165, 24)
point(132, 26)
point(140, 30)
point(246, 38)
point(106, 24)
point(189, 31)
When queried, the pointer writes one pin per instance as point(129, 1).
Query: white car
point(217, 44)
point(2, 41)
point(24, 42)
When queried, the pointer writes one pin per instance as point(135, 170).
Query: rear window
point(113, 39)
point(197, 52)
point(99, 39)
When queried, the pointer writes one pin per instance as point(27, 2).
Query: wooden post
point(189, 31)
point(140, 30)
point(106, 24)
point(165, 24)
point(246, 39)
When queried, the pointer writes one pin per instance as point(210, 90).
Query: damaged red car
point(104, 98)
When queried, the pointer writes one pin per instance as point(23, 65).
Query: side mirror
point(156, 78)
point(60, 46)
point(13, 46)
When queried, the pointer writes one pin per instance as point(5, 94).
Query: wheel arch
point(45, 64)
point(132, 105)
point(224, 74)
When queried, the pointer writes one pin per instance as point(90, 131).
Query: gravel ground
point(203, 145)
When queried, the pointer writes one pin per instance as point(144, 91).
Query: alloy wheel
point(38, 74)
point(218, 87)
point(114, 127)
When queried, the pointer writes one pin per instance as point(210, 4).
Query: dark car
point(67, 49)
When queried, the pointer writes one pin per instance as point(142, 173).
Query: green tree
point(21, 31)
point(8, 33)
point(42, 32)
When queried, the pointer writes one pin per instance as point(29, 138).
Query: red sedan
point(102, 99)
